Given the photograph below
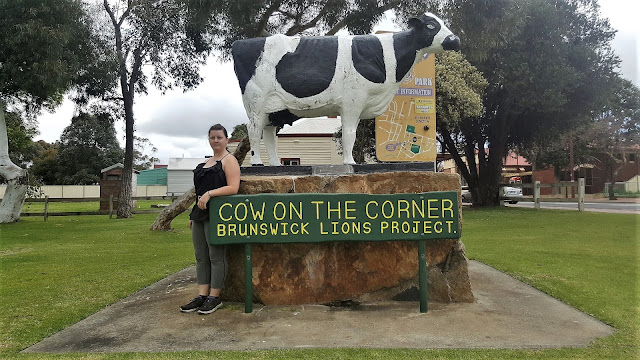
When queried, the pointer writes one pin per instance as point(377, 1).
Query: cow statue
point(284, 78)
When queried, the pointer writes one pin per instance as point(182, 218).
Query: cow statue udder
point(284, 78)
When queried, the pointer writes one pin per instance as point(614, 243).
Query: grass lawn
point(38, 207)
point(56, 273)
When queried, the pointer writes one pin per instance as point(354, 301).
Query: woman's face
point(217, 140)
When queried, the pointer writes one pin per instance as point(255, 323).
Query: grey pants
point(211, 261)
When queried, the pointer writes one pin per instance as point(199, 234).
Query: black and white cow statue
point(284, 78)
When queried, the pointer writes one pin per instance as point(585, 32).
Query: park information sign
point(293, 218)
point(407, 130)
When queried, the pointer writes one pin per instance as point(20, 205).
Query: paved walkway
point(507, 314)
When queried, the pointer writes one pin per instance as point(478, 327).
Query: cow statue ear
point(415, 23)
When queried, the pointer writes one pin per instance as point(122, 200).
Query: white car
point(511, 194)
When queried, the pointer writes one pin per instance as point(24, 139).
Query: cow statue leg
point(349, 126)
point(256, 125)
point(269, 136)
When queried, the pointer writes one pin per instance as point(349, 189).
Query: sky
point(176, 123)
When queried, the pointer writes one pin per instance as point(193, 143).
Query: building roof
point(320, 126)
point(513, 159)
point(184, 163)
point(117, 166)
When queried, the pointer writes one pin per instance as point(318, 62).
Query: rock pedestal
point(319, 273)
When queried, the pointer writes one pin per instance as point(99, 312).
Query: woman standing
point(218, 176)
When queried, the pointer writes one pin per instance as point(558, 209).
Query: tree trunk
point(613, 175)
point(183, 203)
point(180, 205)
point(15, 176)
point(124, 200)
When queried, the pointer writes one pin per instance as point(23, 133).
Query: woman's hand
point(190, 224)
point(204, 199)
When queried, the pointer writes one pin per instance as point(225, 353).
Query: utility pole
point(571, 165)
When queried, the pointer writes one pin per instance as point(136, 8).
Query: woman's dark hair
point(219, 127)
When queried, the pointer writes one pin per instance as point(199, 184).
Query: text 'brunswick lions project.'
point(286, 218)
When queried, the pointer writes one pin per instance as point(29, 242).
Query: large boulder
point(320, 273)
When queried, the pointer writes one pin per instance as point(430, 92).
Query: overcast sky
point(177, 122)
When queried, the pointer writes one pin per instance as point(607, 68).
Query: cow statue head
point(433, 34)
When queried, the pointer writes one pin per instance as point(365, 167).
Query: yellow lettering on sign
point(263, 229)
point(403, 209)
point(427, 227)
point(387, 202)
point(383, 226)
point(232, 229)
point(431, 209)
point(284, 211)
point(220, 212)
point(330, 210)
point(449, 208)
point(246, 212)
point(437, 227)
point(348, 209)
point(449, 223)
point(221, 230)
point(303, 228)
point(257, 215)
point(418, 207)
point(317, 204)
point(242, 229)
point(366, 227)
point(367, 209)
point(394, 227)
point(322, 232)
point(293, 209)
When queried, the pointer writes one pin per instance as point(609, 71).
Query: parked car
point(511, 194)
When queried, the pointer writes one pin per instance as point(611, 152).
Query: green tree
point(239, 132)
point(615, 131)
point(46, 47)
point(142, 159)
point(365, 146)
point(20, 133)
point(152, 34)
point(547, 64)
point(245, 19)
point(87, 146)
point(45, 163)
point(459, 91)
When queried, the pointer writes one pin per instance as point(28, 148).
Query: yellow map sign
point(407, 130)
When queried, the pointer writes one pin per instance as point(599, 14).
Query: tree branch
point(353, 16)
point(297, 28)
point(262, 24)
point(449, 145)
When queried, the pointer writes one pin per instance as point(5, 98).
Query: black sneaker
point(210, 305)
point(194, 304)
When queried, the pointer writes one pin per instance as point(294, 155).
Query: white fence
point(90, 191)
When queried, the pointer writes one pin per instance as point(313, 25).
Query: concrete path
point(507, 314)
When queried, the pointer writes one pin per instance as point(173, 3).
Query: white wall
point(90, 191)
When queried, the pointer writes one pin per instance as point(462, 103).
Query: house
point(309, 141)
point(180, 174)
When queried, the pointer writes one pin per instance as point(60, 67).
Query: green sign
point(293, 218)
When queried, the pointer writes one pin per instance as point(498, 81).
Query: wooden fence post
point(536, 195)
point(110, 206)
point(46, 207)
point(581, 194)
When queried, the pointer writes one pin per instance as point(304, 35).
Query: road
point(599, 206)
